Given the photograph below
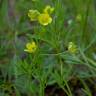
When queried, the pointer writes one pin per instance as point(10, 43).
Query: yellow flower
point(33, 15)
point(72, 48)
point(48, 9)
point(31, 47)
point(44, 19)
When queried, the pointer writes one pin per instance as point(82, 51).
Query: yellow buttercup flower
point(44, 19)
point(33, 15)
point(48, 9)
point(31, 47)
point(72, 48)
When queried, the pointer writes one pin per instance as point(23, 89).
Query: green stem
point(84, 31)
point(42, 84)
